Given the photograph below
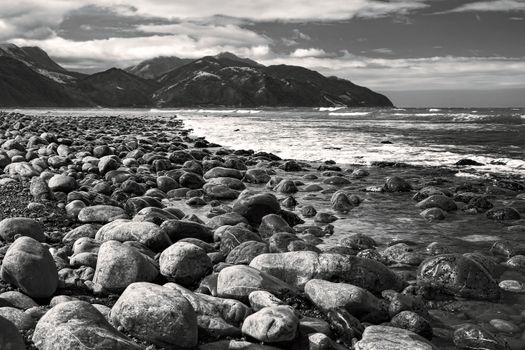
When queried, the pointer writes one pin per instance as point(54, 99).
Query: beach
point(149, 234)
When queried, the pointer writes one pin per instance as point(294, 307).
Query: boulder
point(119, 265)
point(438, 201)
point(146, 233)
point(397, 184)
point(501, 214)
point(62, 183)
point(184, 263)
point(101, 214)
point(392, 338)
point(12, 227)
point(156, 314)
point(10, 338)
point(77, 325)
point(20, 319)
point(29, 266)
point(180, 229)
point(245, 252)
point(272, 324)
point(254, 207)
point(271, 224)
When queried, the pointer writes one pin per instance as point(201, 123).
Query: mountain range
point(30, 78)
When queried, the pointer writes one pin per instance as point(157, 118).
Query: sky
point(458, 53)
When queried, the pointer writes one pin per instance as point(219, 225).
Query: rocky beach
point(132, 233)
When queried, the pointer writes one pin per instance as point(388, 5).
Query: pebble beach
point(133, 233)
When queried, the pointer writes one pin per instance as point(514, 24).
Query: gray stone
point(10, 338)
point(392, 338)
point(184, 263)
point(11, 227)
point(101, 214)
point(272, 324)
point(146, 233)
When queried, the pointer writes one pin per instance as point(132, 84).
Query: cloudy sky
point(419, 52)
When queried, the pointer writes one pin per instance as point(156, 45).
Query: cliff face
point(30, 78)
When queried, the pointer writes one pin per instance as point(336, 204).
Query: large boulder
point(256, 206)
point(146, 233)
point(184, 263)
point(119, 265)
point(62, 183)
point(101, 214)
point(438, 201)
point(29, 266)
point(458, 275)
point(156, 314)
point(392, 338)
point(273, 223)
point(11, 227)
point(238, 281)
point(77, 325)
point(180, 229)
point(297, 268)
point(329, 296)
point(272, 324)
point(10, 338)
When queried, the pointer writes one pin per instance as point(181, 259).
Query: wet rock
point(340, 202)
point(346, 327)
point(245, 252)
point(501, 214)
point(432, 214)
point(271, 224)
point(402, 253)
point(297, 268)
point(286, 187)
point(414, 322)
point(119, 265)
point(438, 201)
point(226, 219)
point(392, 338)
point(504, 326)
point(328, 296)
point(358, 242)
point(516, 262)
point(336, 181)
point(184, 263)
point(254, 207)
point(308, 211)
point(473, 337)
point(397, 184)
point(29, 266)
point(146, 233)
point(191, 180)
point(235, 345)
point(256, 176)
point(156, 314)
point(232, 236)
point(101, 214)
point(180, 229)
point(237, 282)
point(324, 218)
point(468, 162)
point(10, 228)
point(78, 325)
point(272, 324)
point(10, 338)
point(458, 275)
point(512, 286)
point(223, 172)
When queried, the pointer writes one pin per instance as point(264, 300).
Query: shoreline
point(312, 236)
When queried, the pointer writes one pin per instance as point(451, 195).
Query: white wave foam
point(330, 109)
point(348, 113)
point(434, 109)
point(248, 111)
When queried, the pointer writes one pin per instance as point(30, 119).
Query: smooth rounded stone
point(156, 314)
point(516, 262)
point(340, 202)
point(328, 296)
point(233, 236)
point(428, 191)
point(271, 224)
point(256, 176)
point(39, 189)
point(512, 286)
point(223, 172)
point(480, 204)
point(191, 180)
point(238, 281)
point(414, 322)
point(12, 227)
point(272, 324)
point(101, 214)
point(502, 214)
point(392, 338)
point(438, 201)
point(184, 263)
point(336, 181)
point(260, 299)
point(136, 204)
point(180, 229)
point(73, 208)
point(324, 218)
point(107, 164)
point(18, 300)
point(219, 191)
point(119, 265)
point(245, 252)
point(433, 214)
point(166, 183)
point(297, 268)
point(235, 345)
point(77, 325)
point(61, 299)
point(402, 253)
point(504, 326)
point(230, 182)
point(29, 266)
point(473, 337)
point(308, 325)
point(286, 187)
point(230, 219)
point(458, 275)
point(83, 259)
point(147, 233)
point(10, 338)
point(345, 326)
point(287, 242)
point(320, 341)
point(216, 316)
point(254, 207)
point(397, 184)
point(22, 169)
point(20, 319)
point(358, 242)
point(308, 211)
point(154, 215)
point(62, 183)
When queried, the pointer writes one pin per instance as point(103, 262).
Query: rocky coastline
point(130, 233)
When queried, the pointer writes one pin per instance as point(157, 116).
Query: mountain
point(226, 80)
point(21, 86)
point(117, 88)
point(29, 77)
point(156, 67)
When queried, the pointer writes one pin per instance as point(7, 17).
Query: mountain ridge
point(221, 80)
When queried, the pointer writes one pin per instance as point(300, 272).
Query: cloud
point(492, 6)
point(311, 52)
